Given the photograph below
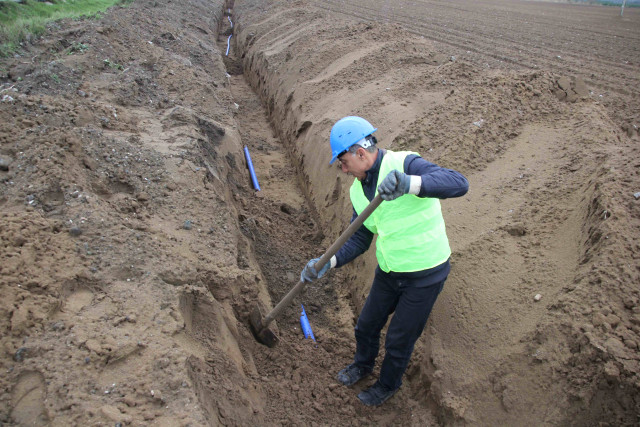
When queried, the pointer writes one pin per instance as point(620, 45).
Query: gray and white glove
point(309, 273)
point(394, 185)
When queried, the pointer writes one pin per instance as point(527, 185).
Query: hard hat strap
point(364, 143)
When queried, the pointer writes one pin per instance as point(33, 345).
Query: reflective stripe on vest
point(411, 231)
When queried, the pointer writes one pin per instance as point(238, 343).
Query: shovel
point(260, 324)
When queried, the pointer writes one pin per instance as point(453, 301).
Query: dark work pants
point(412, 303)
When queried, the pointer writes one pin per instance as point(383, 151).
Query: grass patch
point(20, 21)
point(114, 65)
point(78, 48)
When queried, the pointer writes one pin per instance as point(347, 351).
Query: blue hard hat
point(346, 132)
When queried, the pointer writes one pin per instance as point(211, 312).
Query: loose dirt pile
point(133, 245)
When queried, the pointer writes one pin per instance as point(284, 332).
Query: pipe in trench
point(252, 171)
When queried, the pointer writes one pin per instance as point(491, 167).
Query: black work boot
point(352, 374)
point(376, 395)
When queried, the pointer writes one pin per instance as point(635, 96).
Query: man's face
point(354, 163)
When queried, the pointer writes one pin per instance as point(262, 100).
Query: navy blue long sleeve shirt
point(437, 182)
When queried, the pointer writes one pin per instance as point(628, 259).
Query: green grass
point(18, 21)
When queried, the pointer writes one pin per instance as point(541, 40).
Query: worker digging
point(412, 249)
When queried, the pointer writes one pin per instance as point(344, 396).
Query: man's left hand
point(394, 185)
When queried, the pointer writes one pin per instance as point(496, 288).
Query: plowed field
point(593, 42)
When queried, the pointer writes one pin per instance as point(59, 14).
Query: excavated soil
point(133, 245)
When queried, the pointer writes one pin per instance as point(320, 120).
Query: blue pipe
point(228, 44)
point(252, 171)
point(306, 326)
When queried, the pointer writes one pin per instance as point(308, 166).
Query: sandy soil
point(133, 245)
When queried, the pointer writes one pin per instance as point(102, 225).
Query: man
point(412, 249)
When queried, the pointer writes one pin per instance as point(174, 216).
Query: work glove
point(309, 273)
point(394, 185)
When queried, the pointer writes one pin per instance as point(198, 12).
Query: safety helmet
point(346, 132)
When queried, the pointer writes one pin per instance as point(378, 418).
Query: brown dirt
point(133, 245)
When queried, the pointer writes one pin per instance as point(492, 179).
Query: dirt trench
point(281, 232)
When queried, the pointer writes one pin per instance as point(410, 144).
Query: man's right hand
point(309, 273)
point(394, 185)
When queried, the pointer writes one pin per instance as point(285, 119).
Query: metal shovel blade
point(263, 334)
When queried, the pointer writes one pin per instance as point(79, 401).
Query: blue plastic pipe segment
point(228, 44)
point(252, 171)
point(229, 18)
point(306, 327)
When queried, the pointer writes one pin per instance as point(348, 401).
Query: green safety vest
point(411, 231)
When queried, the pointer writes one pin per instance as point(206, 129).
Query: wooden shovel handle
point(355, 225)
